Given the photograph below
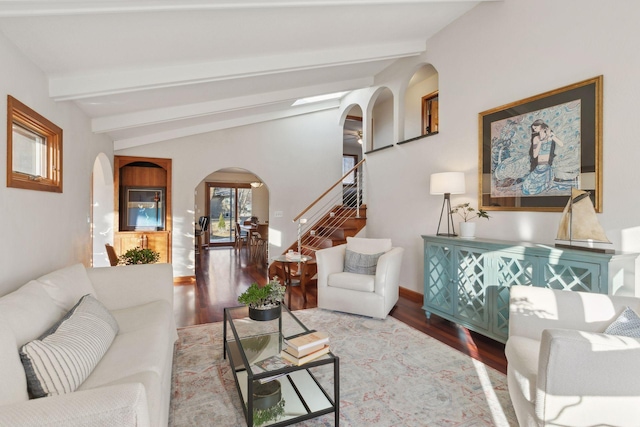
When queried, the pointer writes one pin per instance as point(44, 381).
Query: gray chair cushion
point(355, 262)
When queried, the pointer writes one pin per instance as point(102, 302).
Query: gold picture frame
point(533, 151)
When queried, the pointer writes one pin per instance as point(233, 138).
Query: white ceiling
point(151, 70)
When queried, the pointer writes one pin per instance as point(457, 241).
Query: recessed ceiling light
point(319, 98)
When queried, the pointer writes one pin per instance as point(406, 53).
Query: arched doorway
point(229, 196)
point(352, 152)
point(101, 209)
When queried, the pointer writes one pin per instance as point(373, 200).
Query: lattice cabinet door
point(573, 276)
point(471, 295)
point(510, 270)
point(438, 278)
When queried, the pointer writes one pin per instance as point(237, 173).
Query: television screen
point(145, 208)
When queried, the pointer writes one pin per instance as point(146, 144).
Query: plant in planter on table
point(139, 256)
point(467, 213)
point(264, 302)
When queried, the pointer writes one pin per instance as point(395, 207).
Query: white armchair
point(562, 369)
point(371, 295)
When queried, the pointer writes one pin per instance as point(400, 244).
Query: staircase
point(342, 215)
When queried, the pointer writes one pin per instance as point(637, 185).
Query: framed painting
point(534, 151)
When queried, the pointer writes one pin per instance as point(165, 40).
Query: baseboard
point(411, 295)
point(184, 280)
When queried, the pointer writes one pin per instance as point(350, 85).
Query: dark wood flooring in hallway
point(224, 273)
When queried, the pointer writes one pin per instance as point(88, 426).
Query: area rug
point(390, 375)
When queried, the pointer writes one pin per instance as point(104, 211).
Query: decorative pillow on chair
point(355, 262)
point(64, 356)
point(627, 324)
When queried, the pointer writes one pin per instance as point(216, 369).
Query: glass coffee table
point(273, 391)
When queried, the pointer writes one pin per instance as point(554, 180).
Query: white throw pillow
point(29, 311)
point(64, 356)
point(14, 382)
point(67, 285)
point(627, 324)
point(368, 246)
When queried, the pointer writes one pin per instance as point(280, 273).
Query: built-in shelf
point(375, 150)
point(142, 205)
point(417, 138)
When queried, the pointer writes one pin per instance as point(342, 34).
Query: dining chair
point(111, 253)
point(241, 238)
point(261, 242)
point(201, 232)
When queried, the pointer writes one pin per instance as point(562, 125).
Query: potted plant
point(264, 302)
point(467, 213)
point(272, 413)
point(139, 256)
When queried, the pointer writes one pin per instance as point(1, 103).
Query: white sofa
point(131, 383)
point(562, 369)
point(371, 295)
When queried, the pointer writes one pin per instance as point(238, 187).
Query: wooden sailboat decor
point(580, 224)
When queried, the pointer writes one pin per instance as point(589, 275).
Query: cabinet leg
point(428, 314)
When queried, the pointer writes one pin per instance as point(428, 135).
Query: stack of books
point(305, 348)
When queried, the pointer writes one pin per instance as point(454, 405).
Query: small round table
point(286, 262)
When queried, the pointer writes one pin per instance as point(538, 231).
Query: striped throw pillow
point(64, 356)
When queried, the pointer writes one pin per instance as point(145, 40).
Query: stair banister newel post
point(300, 222)
point(358, 176)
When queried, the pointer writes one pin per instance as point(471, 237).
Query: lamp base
point(446, 204)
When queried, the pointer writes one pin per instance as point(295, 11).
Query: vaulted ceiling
point(151, 70)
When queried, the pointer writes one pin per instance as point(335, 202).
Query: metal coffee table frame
point(307, 398)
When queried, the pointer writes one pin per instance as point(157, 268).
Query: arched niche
point(227, 196)
point(381, 123)
point(421, 103)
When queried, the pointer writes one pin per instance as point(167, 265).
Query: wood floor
point(224, 273)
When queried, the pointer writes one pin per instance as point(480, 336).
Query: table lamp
point(447, 183)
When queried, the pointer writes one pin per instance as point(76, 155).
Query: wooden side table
point(289, 281)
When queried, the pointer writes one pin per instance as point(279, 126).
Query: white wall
point(497, 53)
point(42, 231)
point(297, 159)
point(260, 203)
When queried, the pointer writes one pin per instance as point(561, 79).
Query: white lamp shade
point(447, 182)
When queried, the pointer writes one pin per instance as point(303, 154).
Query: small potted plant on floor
point(467, 213)
point(264, 302)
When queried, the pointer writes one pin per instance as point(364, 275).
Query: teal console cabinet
point(467, 281)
